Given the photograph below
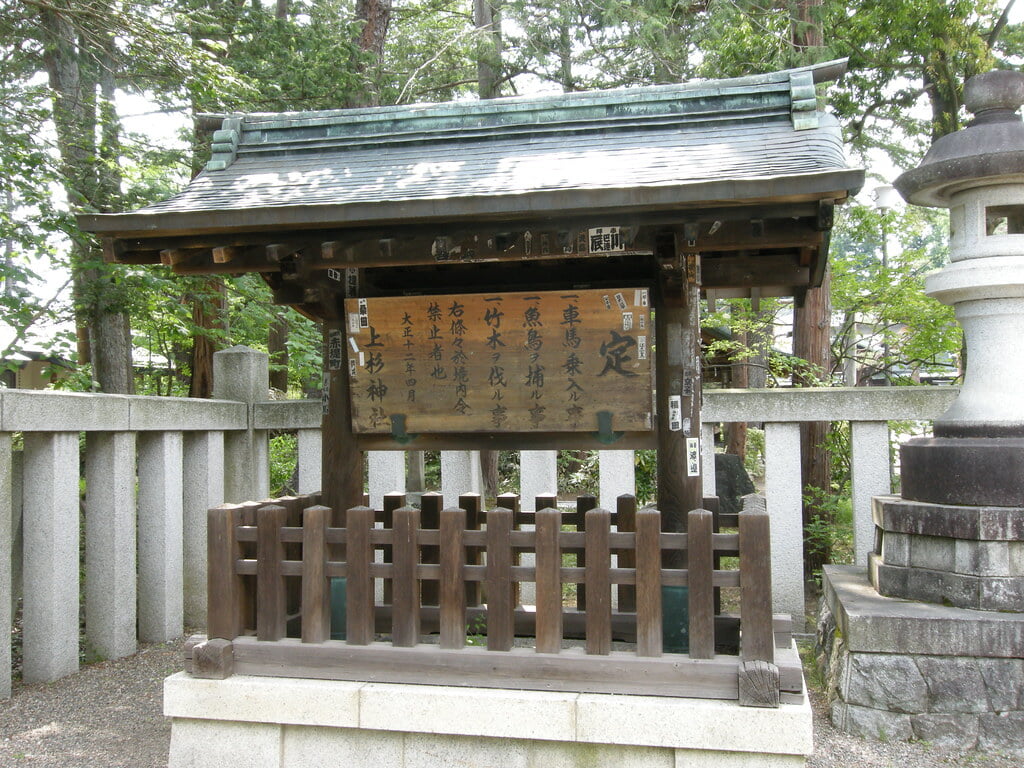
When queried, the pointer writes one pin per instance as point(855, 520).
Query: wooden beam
point(224, 254)
point(753, 271)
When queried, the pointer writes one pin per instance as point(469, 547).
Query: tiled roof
point(725, 141)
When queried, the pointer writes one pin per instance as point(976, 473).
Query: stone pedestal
point(901, 670)
point(954, 555)
point(269, 722)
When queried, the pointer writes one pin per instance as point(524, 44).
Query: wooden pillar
point(342, 475)
point(678, 384)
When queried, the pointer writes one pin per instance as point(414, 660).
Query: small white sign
point(640, 297)
point(607, 301)
point(641, 347)
point(606, 240)
point(353, 322)
point(627, 321)
point(620, 300)
point(675, 413)
point(692, 456)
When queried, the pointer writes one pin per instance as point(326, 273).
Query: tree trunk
point(737, 430)
point(376, 18)
point(811, 327)
point(488, 65)
point(277, 347)
point(76, 67)
point(208, 314)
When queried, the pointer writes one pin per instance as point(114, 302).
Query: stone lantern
point(931, 645)
point(963, 489)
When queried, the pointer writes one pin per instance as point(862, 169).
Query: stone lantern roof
point(989, 150)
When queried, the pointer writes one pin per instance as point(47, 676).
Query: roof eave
point(837, 185)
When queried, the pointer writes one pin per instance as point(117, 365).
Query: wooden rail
point(451, 576)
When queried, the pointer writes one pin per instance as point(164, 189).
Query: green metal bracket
point(398, 433)
point(604, 433)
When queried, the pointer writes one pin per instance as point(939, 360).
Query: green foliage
point(888, 325)
point(284, 455)
point(646, 473)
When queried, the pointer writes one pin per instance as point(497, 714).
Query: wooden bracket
point(398, 433)
point(604, 433)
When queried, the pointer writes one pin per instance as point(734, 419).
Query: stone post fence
point(129, 479)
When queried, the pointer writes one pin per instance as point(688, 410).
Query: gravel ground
point(109, 715)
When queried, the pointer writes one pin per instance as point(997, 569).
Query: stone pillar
point(161, 608)
point(310, 460)
point(203, 470)
point(870, 477)
point(707, 458)
point(387, 474)
point(242, 374)
point(785, 507)
point(538, 475)
point(617, 476)
point(460, 473)
point(50, 572)
point(6, 560)
point(110, 564)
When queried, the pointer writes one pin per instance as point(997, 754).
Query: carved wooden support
point(758, 684)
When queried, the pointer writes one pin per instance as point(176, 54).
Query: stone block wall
point(948, 699)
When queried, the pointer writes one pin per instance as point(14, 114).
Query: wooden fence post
point(598, 580)
point(583, 505)
point(700, 574)
point(549, 579)
point(392, 501)
point(512, 501)
point(500, 603)
point(452, 591)
point(224, 593)
point(648, 583)
point(270, 593)
point(758, 675)
point(405, 604)
point(626, 523)
point(316, 604)
point(430, 520)
point(359, 583)
point(472, 503)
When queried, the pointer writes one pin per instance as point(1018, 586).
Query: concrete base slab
point(287, 722)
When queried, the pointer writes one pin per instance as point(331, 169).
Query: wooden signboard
point(551, 361)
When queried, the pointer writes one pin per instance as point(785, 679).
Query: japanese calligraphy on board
point(514, 362)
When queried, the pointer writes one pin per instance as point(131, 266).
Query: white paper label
point(605, 240)
point(641, 347)
point(692, 456)
point(607, 301)
point(675, 413)
point(620, 300)
point(627, 321)
point(640, 297)
point(353, 323)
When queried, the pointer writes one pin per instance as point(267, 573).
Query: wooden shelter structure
point(627, 200)
point(517, 273)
